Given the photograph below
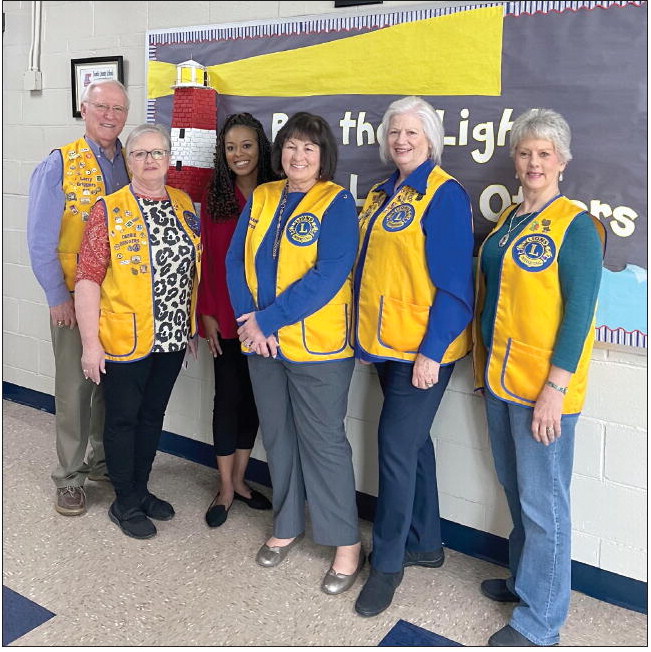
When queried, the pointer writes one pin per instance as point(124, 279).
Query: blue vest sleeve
point(579, 266)
point(336, 253)
point(447, 225)
point(239, 292)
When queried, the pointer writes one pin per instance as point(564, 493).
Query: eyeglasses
point(119, 110)
point(142, 154)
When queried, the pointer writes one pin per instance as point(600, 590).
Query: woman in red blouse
point(242, 161)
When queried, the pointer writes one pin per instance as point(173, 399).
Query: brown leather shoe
point(71, 501)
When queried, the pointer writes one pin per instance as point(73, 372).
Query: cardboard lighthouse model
point(194, 130)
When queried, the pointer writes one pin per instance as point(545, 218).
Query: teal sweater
point(579, 265)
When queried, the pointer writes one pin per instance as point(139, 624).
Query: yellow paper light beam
point(457, 54)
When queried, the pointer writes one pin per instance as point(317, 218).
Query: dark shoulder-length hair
point(307, 126)
point(221, 203)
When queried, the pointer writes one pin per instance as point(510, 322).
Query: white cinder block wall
point(609, 489)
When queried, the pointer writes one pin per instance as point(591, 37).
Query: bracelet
point(562, 390)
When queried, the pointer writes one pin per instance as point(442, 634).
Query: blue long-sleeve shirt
point(579, 269)
point(45, 213)
point(447, 225)
point(336, 252)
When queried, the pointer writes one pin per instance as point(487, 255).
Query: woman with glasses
point(135, 297)
point(242, 162)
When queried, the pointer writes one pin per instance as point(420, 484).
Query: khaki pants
point(79, 413)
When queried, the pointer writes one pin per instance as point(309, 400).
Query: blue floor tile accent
point(20, 615)
point(404, 634)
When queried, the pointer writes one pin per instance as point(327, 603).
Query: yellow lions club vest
point(324, 335)
point(126, 323)
point(82, 185)
point(529, 313)
point(395, 288)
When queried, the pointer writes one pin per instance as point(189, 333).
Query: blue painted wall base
point(595, 582)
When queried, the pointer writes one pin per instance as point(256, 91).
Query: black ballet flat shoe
point(257, 500)
point(216, 514)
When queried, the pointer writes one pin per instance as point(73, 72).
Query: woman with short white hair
point(413, 286)
point(537, 285)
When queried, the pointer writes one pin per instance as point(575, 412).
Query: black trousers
point(136, 396)
point(234, 415)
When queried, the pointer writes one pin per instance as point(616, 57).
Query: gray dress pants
point(79, 413)
point(302, 408)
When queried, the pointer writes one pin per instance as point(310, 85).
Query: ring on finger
point(549, 430)
point(60, 323)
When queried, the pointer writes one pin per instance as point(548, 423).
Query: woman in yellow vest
point(413, 285)
point(537, 285)
point(288, 271)
point(135, 298)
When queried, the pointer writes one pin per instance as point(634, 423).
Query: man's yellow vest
point(529, 313)
point(395, 289)
point(82, 185)
point(324, 335)
point(126, 323)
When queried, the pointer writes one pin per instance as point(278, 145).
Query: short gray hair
point(148, 128)
point(544, 124)
point(101, 82)
point(432, 125)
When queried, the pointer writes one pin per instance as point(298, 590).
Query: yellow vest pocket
point(525, 370)
point(118, 328)
point(402, 325)
point(326, 331)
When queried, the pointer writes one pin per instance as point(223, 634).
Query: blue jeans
point(407, 508)
point(536, 480)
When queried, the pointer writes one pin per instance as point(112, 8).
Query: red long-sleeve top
point(213, 292)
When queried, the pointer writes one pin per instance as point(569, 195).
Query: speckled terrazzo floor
point(193, 586)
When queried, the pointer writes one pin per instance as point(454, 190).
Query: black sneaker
point(428, 559)
point(132, 521)
point(156, 508)
point(509, 637)
point(377, 593)
point(498, 590)
point(413, 558)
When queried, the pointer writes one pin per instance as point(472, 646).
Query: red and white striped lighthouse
point(193, 131)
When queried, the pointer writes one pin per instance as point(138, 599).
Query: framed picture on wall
point(85, 71)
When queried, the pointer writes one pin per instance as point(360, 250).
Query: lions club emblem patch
point(534, 253)
point(399, 218)
point(303, 230)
